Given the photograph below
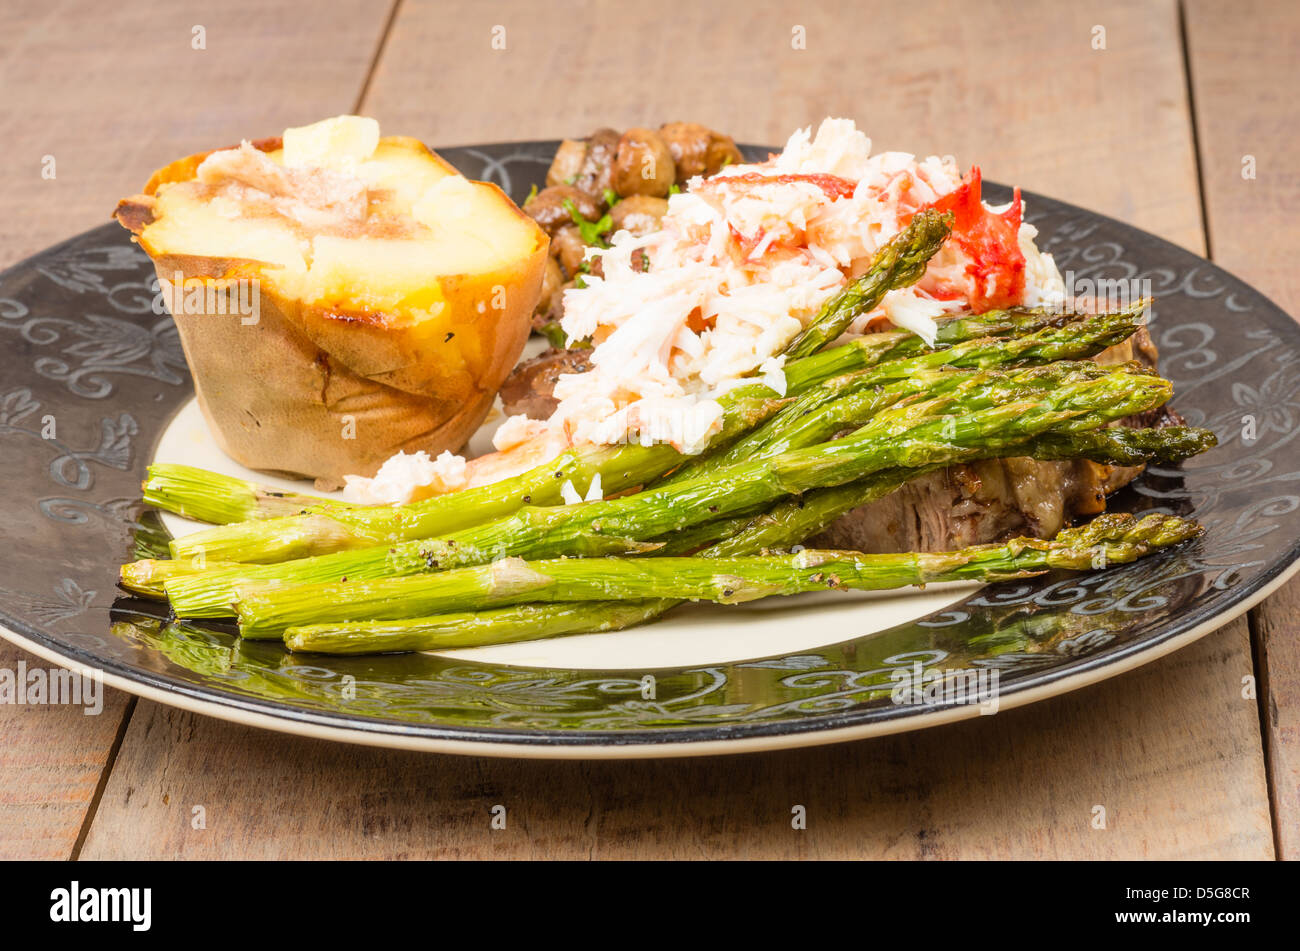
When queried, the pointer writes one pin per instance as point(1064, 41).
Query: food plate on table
point(795, 381)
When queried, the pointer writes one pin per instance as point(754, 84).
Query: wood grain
point(51, 763)
point(1014, 86)
point(1245, 72)
point(1171, 751)
point(112, 91)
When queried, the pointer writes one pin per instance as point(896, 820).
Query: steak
point(968, 504)
point(529, 390)
point(994, 499)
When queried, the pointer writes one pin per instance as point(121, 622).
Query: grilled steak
point(530, 388)
point(995, 499)
point(962, 505)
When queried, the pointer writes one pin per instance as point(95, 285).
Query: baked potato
point(392, 295)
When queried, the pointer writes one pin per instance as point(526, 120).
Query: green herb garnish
point(590, 231)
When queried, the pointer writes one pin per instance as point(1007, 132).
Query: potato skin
point(313, 393)
point(278, 403)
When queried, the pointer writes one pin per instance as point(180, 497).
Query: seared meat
point(529, 390)
point(976, 503)
point(995, 499)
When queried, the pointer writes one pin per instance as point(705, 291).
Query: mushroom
point(697, 149)
point(643, 164)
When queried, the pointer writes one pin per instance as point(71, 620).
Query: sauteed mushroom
point(643, 164)
point(697, 149)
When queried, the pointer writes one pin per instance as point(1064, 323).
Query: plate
point(93, 386)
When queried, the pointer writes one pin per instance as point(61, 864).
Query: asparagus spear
point(899, 263)
point(780, 527)
point(915, 375)
point(213, 497)
point(266, 613)
point(785, 525)
point(329, 528)
point(801, 517)
point(371, 616)
point(146, 577)
point(914, 436)
point(326, 529)
point(524, 622)
point(1122, 446)
point(879, 347)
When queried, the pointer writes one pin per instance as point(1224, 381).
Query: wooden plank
point(112, 91)
point(1171, 751)
point(1245, 70)
point(51, 763)
point(1014, 86)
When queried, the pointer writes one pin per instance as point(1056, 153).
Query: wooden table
point(1144, 111)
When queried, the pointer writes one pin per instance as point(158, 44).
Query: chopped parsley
point(555, 335)
point(591, 231)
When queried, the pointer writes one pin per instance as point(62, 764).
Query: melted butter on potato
point(340, 142)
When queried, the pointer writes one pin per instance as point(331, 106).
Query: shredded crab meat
point(517, 431)
point(742, 262)
point(407, 476)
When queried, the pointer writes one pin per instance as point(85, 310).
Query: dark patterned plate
point(92, 376)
